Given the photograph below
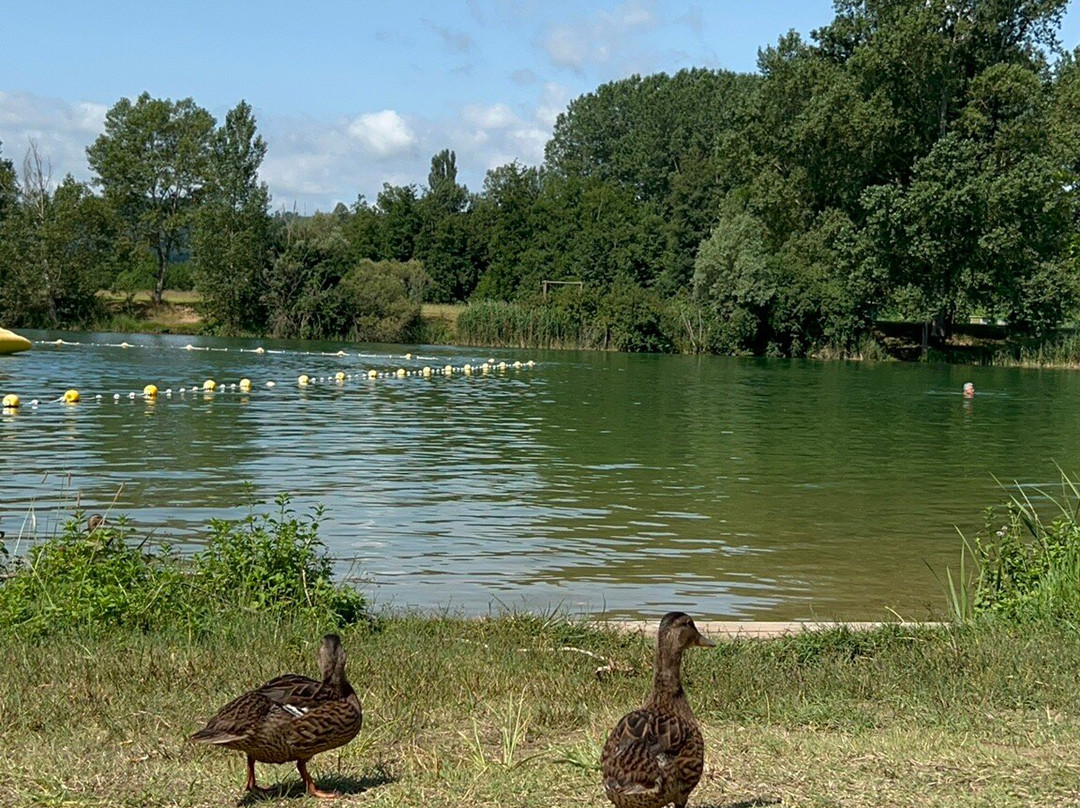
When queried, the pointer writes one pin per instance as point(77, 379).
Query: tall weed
point(101, 576)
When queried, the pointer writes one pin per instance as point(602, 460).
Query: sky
point(352, 95)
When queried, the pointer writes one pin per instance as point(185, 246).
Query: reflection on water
point(591, 482)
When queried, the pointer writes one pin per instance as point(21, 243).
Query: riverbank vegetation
point(787, 212)
point(117, 651)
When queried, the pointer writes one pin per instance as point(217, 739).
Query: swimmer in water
point(969, 390)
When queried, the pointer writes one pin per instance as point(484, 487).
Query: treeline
point(913, 159)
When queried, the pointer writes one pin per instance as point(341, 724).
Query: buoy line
point(11, 402)
point(216, 349)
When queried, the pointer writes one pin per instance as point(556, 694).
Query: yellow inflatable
point(10, 342)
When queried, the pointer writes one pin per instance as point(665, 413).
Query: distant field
point(170, 296)
point(442, 311)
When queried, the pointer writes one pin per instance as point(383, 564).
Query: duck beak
point(704, 641)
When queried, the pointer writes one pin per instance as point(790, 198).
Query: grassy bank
point(510, 712)
point(114, 652)
point(517, 326)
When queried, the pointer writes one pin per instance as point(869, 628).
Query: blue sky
point(349, 95)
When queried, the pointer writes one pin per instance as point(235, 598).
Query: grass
point(177, 314)
point(468, 712)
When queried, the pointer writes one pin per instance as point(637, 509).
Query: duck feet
point(312, 791)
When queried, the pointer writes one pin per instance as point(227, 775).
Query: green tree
point(231, 227)
point(153, 162)
point(506, 219)
point(447, 242)
point(58, 250)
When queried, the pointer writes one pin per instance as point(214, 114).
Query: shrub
point(89, 578)
point(1029, 567)
point(275, 564)
point(103, 578)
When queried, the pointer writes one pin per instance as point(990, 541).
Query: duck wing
point(637, 754)
point(298, 691)
point(276, 702)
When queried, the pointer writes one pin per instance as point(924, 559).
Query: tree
point(153, 162)
point(231, 228)
point(447, 243)
point(506, 214)
point(57, 247)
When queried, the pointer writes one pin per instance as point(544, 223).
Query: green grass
point(474, 712)
point(110, 660)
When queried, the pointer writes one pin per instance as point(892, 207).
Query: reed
point(1027, 559)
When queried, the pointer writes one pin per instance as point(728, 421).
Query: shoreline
point(766, 629)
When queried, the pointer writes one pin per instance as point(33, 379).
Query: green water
point(595, 483)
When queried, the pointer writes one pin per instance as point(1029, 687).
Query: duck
point(291, 717)
point(655, 755)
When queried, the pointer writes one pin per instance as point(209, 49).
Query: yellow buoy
point(373, 374)
point(245, 384)
point(408, 356)
point(71, 397)
point(11, 401)
point(448, 370)
point(467, 370)
point(209, 385)
point(260, 350)
point(150, 391)
point(517, 366)
point(401, 373)
point(303, 380)
point(427, 372)
point(340, 376)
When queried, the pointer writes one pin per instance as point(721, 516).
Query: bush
point(275, 564)
point(102, 578)
point(89, 578)
point(1029, 567)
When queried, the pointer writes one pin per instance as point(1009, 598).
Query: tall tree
point(446, 243)
point(231, 229)
point(153, 163)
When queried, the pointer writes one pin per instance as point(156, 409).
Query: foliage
point(57, 248)
point(273, 563)
point(917, 157)
point(97, 577)
point(626, 318)
point(231, 232)
point(1028, 569)
point(153, 162)
point(317, 289)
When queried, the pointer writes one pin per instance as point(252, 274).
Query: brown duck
point(291, 718)
point(655, 755)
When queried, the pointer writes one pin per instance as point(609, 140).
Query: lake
point(594, 483)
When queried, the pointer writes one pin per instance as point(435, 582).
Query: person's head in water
point(969, 390)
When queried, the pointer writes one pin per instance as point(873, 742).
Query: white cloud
point(313, 164)
point(385, 133)
point(571, 47)
point(605, 38)
point(61, 130)
point(495, 116)
point(553, 101)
